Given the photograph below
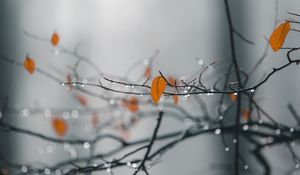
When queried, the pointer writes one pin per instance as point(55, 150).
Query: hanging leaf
point(95, 120)
point(245, 115)
point(233, 97)
point(157, 88)
point(29, 64)
point(60, 126)
point(55, 39)
point(278, 36)
point(131, 104)
point(147, 72)
point(175, 99)
point(171, 80)
point(69, 81)
point(82, 99)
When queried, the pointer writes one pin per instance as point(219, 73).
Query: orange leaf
point(278, 36)
point(232, 97)
point(157, 88)
point(54, 39)
point(175, 99)
point(245, 115)
point(147, 72)
point(171, 80)
point(29, 64)
point(82, 99)
point(60, 126)
point(131, 104)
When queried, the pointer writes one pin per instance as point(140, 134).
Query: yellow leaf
point(55, 39)
point(157, 88)
point(60, 126)
point(29, 64)
point(278, 36)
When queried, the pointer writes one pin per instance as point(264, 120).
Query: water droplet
point(66, 115)
point(128, 164)
point(112, 101)
point(297, 165)
point(25, 112)
point(75, 114)
point(47, 112)
point(24, 169)
point(292, 129)
point(245, 127)
point(134, 165)
point(218, 131)
point(246, 167)
point(132, 87)
point(47, 171)
point(234, 141)
point(226, 149)
point(260, 121)
point(145, 61)
point(221, 117)
point(278, 131)
point(252, 90)
point(86, 145)
point(200, 62)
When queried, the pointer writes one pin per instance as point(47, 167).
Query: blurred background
point(115, 34)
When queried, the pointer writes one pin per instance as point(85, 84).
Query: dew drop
point(75, 114)
point(86, 145)
point(47, 112)
point(25, 112)
point(145, 61)
point(218, 131)
point(200, 62)
point(24, 169)
point(47, 171)
point(245, 127)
